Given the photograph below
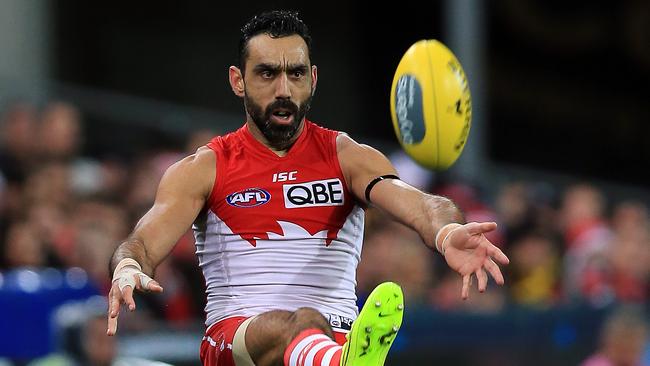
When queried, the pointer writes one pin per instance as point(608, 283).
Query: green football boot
point(374, 331)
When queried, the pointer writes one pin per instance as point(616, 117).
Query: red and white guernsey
point(279, 232)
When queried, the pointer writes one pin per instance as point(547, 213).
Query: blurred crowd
point(566, 246)
point(61, 208)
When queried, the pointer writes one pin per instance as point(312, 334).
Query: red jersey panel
point(256, 188)
point(279, 232)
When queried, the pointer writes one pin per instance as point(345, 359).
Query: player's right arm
point(181, 195)
point(437, 219)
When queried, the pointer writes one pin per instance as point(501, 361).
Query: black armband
point(377, 180)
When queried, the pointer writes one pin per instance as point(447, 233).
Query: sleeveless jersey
point(279, 232)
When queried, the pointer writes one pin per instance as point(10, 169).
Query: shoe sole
point(374, 331)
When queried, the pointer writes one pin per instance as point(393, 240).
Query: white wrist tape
point(125, 273)
point(441, 248)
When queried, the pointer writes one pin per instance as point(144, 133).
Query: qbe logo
point(249, 197)
point(317, 193)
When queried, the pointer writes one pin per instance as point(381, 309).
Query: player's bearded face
point(278, 135)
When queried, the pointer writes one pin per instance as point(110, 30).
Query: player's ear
point(314, 79)
point(236, 80)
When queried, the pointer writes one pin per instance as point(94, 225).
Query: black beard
point(278, 136)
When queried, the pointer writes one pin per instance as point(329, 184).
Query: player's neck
point(278, 149)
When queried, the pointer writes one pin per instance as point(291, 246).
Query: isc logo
point(312, 194)
point(249, 197)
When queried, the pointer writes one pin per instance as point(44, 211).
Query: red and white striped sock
point(312, 348)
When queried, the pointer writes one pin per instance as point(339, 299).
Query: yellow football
point(431, 105)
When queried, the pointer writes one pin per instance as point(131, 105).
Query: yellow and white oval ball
point(431, 105)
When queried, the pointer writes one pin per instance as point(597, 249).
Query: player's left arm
point(437, 219)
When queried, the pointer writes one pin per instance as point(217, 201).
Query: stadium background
point(97, 100)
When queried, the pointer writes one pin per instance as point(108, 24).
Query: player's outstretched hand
point(469, 252)
point(127, 276)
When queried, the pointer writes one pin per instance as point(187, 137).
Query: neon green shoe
point(374, 331)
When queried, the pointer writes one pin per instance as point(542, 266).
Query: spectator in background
point(630, 220)
point(624, 269)
point(514, 208)
point(17, 142)
point(60, 139)
point(48, 184)
point(621, 271)
point(587, 238)
point(59, 131)
point(622, 340)
point(50, 223)
point(523, 207)
point(535, 270)
point(22, 247)
point(17, 128)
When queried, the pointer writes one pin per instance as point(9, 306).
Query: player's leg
point(269, 334)
point(304, 337)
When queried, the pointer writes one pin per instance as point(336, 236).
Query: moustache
point(282, 104)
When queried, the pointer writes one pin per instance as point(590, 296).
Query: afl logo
point(249, 197)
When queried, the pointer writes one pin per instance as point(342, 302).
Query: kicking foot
point(374, 331)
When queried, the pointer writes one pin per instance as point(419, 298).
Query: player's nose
point(282, 89)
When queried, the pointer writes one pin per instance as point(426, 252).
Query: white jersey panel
point(285, 272)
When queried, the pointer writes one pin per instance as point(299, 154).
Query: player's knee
point(309, 318)
point(270, 333)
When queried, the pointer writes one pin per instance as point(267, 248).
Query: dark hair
point(277, 24)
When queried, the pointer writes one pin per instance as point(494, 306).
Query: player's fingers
point(474, 228)
point(496, 254)
point(464, 294)
point(494, 270)
point(127, 294)
point(154, 286)
point(146, 283)
point(112, 325)
point(114, 301)
point(113, 310)
point(482, 279)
